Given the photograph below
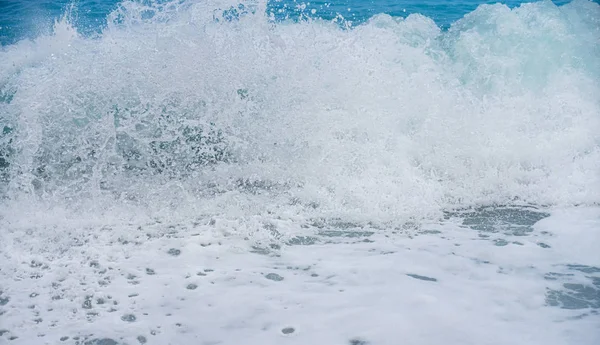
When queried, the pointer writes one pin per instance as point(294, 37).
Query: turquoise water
point(21, 19)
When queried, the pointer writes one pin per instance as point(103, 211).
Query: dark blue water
point(22, 19)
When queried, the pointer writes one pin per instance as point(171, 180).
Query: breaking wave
point(219, 107)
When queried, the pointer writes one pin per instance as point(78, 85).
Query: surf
point(187, 104)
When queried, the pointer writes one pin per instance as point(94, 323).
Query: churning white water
point(201, 173)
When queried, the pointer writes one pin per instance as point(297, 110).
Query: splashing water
point(189, 128)
point(389, 119)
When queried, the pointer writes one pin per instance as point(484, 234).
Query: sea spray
point(385, 120)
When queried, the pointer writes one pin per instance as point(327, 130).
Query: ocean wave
point(220, 106)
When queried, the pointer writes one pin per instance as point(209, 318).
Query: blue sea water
point(26, 19)
point(280, 172)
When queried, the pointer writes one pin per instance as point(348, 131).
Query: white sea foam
point(355, 162)
point(390, 119)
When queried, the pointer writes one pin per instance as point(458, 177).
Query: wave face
point(218, 107)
